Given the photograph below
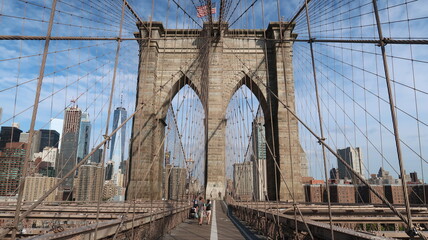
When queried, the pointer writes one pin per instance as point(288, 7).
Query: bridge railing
point(142, 226)
point(280, 226)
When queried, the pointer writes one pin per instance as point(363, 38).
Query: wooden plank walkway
point(220, 228)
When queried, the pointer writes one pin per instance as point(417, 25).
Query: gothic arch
point(256, 90)
point(176, 87)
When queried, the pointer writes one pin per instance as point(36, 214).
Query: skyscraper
point(334, 174)
point(243, 180)
point(259, 139)
point(354, 158)
point(9, 134)
point(109, 171)
point(96, 157)
point(84, 137)
point(35, 143)
point(57, 125)
point(259, 160)
point(48, 138)
point(117, 147)
point(68, 152)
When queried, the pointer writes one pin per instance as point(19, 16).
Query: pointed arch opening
point(184, 151)
point(246, 142)
point(183, 82)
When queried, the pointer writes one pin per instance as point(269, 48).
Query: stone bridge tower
point(215, 62)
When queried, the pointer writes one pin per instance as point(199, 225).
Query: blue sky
point(352, 74)
point(79, 70)
point(353, 89)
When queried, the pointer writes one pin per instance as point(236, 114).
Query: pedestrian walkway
point(220, 228)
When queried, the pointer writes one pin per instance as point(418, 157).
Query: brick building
point(394, 193)
point(314, 193)
point(11, 163)
point(342, 193)
point(418, 193)
point(364, 195)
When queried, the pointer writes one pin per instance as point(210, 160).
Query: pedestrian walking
point(208, 210)
point(201, 210)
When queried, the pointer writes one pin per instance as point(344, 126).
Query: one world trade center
point(117, 147)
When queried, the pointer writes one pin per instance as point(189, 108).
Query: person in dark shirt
point(194, 209)
point(208, 210)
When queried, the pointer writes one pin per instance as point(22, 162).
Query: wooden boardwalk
point(220, 228)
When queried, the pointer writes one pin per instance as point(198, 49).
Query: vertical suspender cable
point(320, 119)
point(33, 120)
point(116, 62)
point(410, 228)
point(424, 201)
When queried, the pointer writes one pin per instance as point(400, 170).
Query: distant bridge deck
point(221, 227)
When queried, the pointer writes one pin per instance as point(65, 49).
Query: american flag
point(203, 10)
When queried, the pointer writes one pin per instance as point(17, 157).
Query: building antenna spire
point(73, 101)
point(121, 98)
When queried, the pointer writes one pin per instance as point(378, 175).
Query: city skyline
point(53, 135)
point(310, 113)
point(159, 16)
point(365, 173)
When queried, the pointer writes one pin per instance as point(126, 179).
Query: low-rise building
point(110, 190)
point(342, 193)
point(365, 195)
point(394, 193)
point(314, 193)
point(37, 186)
point(418, 193)
point(88, 182)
